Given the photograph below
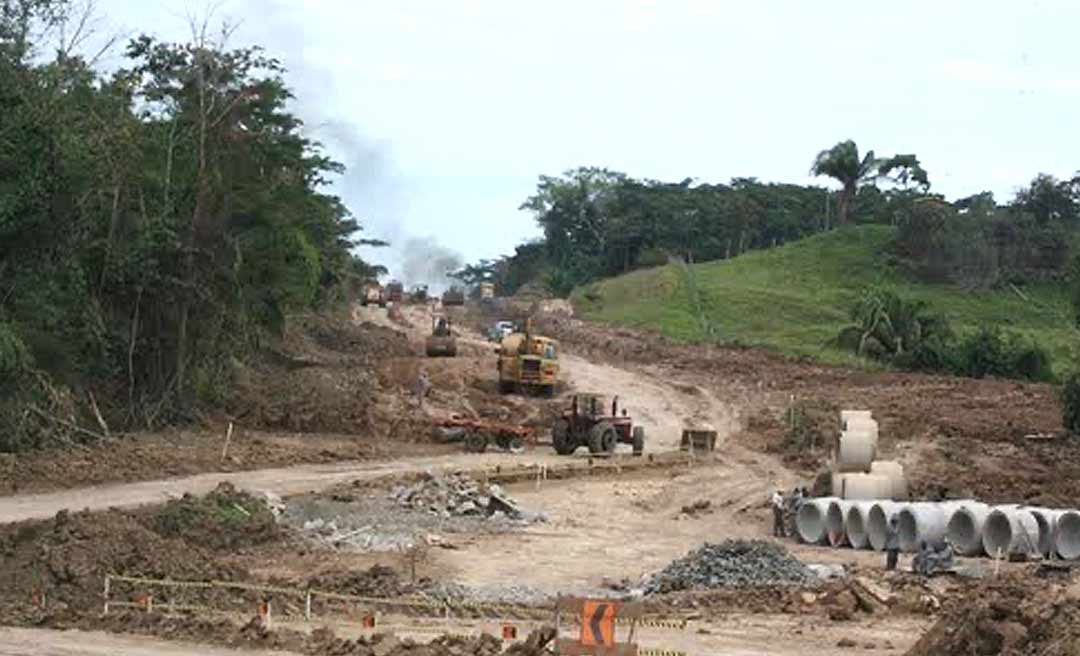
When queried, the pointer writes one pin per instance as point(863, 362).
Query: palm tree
point(842, 163)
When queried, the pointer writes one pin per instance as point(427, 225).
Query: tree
point(843, 164)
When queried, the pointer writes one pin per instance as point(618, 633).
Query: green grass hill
point(796, 298)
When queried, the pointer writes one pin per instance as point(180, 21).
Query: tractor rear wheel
point(602, 438)
point(639, 440)
point(476, 442)
point(560, 438)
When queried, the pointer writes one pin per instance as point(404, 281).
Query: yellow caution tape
point(648, 651)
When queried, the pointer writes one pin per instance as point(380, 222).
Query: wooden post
point(307, 607)
point(228, 438)
point(108, 582)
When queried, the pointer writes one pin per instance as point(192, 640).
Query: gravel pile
point(458, 495)
point(731, 564)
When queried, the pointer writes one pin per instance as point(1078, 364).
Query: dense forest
point(155, 224)
point(599, 223)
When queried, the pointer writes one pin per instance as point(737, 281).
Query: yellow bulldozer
point(528, 363)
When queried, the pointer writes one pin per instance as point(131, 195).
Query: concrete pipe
point(877, 522)
point(858, 517)
point(921, 522)
point(837, 482)
point(810, 521)
point(857, 450)
point(895, 473)
point(1010, 530)
point(1067, 539)
point(867, 486)
point(849, 415)
point(965, 528)
point(1047, 519)
point(835, 518)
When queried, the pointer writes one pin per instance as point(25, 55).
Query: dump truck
point(441, 343)
point(527, 363)
point(419, 294)
point(487, 291)
point(453, 296)
point(395, 291)
point(587, 423)
point(373, 294)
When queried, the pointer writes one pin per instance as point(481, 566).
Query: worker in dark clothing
point(892, 543)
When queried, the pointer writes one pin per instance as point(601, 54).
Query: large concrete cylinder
point(853, 416)
point(855, 525)
point(1010, 530)
point(921, 522)
point(810, 520)
point(835, 518)
point(965, 528)
point(877, 522)
point(857, 450)
point(1047, 519)
point(867, 486)
point(1067, 538)
point(894, 471)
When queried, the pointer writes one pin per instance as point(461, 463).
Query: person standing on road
point(778, 514)
point(892, 543)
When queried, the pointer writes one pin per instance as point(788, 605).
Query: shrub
point(1071, 403)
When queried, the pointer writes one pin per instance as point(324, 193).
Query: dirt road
point(46, 642)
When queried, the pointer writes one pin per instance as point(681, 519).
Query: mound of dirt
point(320, 642)
point(1019, 616)
point(376, 581)
point(65, 560)
point(320, 377)
point(226, 519)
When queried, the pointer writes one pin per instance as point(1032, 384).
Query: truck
point(453, 296)
point(487, 291)
point(528, 363)
point(372, 294)
point(395, 291)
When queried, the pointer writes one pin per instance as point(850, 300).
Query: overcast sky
point(447, 111)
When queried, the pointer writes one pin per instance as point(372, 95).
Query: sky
point(447, 111)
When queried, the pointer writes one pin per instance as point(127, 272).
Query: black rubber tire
point(639, 440)
point(506, 387)
point(476, 443)
point(549, 391)
point(561, 439)
point(603, 438)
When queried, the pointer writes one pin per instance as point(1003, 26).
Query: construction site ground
point(609, 522)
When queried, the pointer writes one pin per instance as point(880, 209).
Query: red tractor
point(586, 424)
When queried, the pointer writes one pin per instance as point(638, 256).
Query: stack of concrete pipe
point(857, 474)
point(973, 528)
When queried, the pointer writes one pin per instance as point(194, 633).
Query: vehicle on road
point(587, 423)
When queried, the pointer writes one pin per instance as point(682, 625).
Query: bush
point(1071, 403)
point(990, 352)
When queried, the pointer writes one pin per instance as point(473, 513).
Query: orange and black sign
point(509, 632)
point(598, 623)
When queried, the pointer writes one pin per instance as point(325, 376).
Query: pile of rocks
point(458, 495)
point(732, 563)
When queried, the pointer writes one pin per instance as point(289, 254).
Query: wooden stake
point(228, 439)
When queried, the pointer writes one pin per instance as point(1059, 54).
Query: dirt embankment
point(969, 434)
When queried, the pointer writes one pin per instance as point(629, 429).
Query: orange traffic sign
point(598, 623)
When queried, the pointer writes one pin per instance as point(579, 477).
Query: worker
point(920, 564)
point(778, 514)
point(423, 385)
point(892, 543)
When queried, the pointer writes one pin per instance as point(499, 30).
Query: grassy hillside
point(796, 298)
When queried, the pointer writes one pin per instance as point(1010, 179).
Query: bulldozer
point(527, 363)
point(586, 423)
point(441, 343)
point(373, 295)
